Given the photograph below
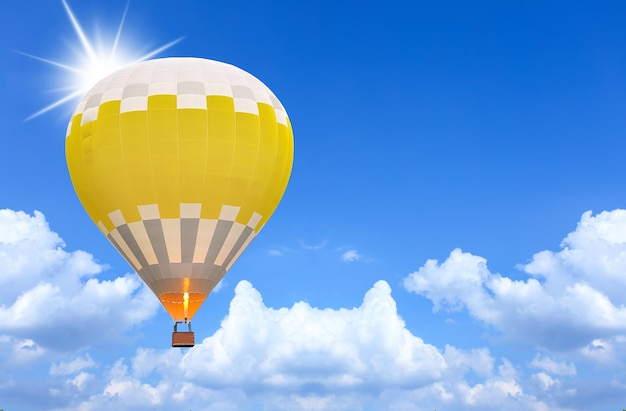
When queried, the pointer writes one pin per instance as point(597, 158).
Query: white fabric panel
point(218, 89)
point(229, 243)
point(189, 210)
point(191, 101)
point(171, 231)
point(244, 105)
point(162, 88)
point(190, 72)
point(254, 220)
point(164, 74)
point(143, 241)
point(89, 115)
point(229, 213)
point(138, 103)
point(80, 108)
point(206, 228)
point(117, 218)
point(149, 212)
point(113, 94)
point(281, 117)
point(262, 96)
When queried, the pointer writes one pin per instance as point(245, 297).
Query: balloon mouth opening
point(182, 306)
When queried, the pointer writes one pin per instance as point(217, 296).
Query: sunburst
point(92, 64)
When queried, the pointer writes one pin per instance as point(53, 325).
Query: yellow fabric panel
point(221, 147)
point(280, 172)
point(247, 145)
point(139, 172)
point(109, 118)
point(266, 163)
point(193, 146)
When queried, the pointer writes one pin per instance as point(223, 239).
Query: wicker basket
point(182, 339)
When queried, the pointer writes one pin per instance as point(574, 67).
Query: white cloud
point(593, 254)
point(608, 352)
point(350, 256)
point(289, 348)
point(552, 366)
point(571, 299)
point(51, 296)
point(71, 367)
point(18, 352)
point(544, 381)
point(306, 358)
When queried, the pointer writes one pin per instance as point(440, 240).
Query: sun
point(93, 64)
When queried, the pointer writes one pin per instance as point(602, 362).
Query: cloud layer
point(306, 358)
point(572, 299)
point(52, 299)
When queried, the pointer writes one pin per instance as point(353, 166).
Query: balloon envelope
point(180, 162)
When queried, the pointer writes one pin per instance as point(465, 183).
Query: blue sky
point(452, 236)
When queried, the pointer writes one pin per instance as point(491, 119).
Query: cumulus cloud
point(552, 366)
point(75, 365)
point(52, 297)
point(289, 349)
point(307, 358)
point(350, 256)
point(571, 297)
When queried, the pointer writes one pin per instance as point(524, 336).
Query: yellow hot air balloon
point(180, 162)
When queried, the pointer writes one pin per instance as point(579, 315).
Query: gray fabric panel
point(171, 285)
point(243, 92)
point(117, 247)
point(93, 101)
point(135, 90)
point(196, 270)
point(275, 102)
point(149, 280)
point(147, 272)
point(128, 237)
point(247, 232)
point(155, 233)
point(167, 285)
point(179, 270)
point(221, 232)
point(188, 235)
point(216, 273)
point(155, 269)
point(190, 87)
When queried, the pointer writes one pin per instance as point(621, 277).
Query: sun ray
point(118, 34)
point(160, 49)
point(94, 66)
point(80, 33)
point(57, 103)
point(51, 62)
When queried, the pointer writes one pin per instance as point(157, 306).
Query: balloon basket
point(182, 339)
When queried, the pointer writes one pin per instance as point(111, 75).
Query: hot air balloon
point(180, 162)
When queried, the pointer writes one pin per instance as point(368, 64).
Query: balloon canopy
point(180, 162)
